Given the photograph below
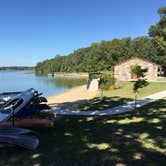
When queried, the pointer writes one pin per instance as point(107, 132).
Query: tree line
point(17, 68)
point(105, 54)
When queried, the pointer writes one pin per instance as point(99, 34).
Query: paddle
point(26, 141)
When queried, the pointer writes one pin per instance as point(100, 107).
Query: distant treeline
point(105, 54)
point(17, 68)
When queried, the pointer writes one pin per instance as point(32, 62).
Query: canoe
point(29, 123)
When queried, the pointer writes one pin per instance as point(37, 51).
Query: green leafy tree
point(102, 83)
point(158, 36)
point(141, 81)
point(105, 81)
point(162, 11)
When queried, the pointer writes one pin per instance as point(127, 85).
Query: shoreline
point(71, 98)
point(70, 75)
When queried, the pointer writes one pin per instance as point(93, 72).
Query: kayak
point(11, 136)
point(29, 123)
point(47, 114)
point(11, 109)
point(31, 109)
point(8, 98)
point(30, 142)
point(21, 104)
point(14, 130)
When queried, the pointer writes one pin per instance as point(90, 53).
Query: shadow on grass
point(123, 139)
point(100, 104)
point(93, 104)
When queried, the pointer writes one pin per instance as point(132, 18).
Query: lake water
point(22, 80)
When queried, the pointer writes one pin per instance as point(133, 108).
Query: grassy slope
point(128, 139)
point(126, 90)
point(122, 95)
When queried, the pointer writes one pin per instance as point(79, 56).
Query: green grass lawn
point(126, 90)
point(101, 104)
point(126, 139)
point(120, 96)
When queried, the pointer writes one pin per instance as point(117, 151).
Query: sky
point(34, 30)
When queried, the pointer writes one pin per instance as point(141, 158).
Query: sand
point(72, 98)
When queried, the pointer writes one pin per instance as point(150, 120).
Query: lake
point(22, 80)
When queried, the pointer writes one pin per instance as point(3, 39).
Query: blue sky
point(34, 30)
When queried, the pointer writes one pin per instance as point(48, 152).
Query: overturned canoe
point(29, 123)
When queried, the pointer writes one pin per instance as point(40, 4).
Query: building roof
point(139, 59)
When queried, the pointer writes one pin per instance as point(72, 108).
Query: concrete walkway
point(115, 110)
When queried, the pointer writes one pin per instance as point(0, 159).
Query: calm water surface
point(22, 80)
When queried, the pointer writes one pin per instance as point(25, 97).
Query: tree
point(140, 82)
point(102, 83)
point(158, 36)
point(162, 11)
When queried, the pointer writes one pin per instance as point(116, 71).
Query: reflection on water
point(67, 82)
point(21, 80)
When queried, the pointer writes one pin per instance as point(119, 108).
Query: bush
point(95, 75)
point(106, 81)
point(112, 87)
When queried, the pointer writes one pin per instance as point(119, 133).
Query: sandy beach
point(72, 98)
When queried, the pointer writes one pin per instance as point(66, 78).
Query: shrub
point(112, 87)
point(106, 81)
